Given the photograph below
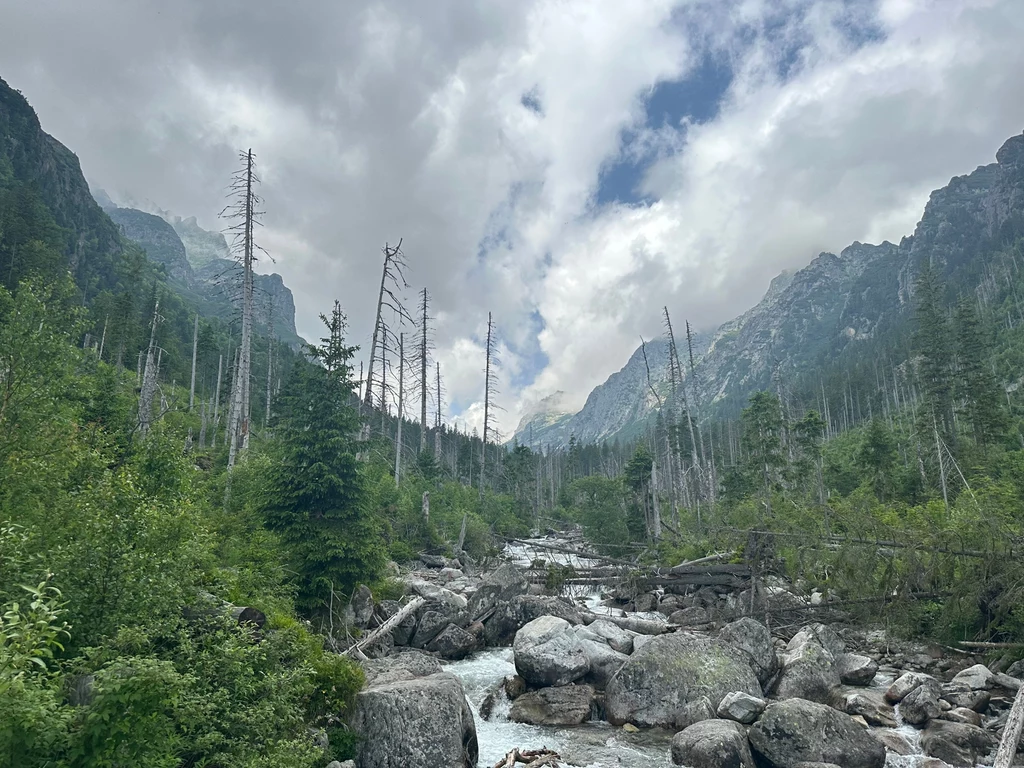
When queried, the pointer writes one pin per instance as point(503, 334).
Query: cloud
point(478, 131)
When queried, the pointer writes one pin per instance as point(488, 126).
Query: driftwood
point(1011, 732)
point(387, 626)
point(534, 757)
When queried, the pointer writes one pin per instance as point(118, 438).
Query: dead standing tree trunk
point(392, 278)
point(148, 388)
point(490, 389)
point(424, 352)
point(679, 391)
point(195, 347)
point(655, 521)
point(401, 404)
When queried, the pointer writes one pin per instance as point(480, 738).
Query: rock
point(430, 625)
point(510, 617)
point(565, 705)
point(826, 637)
point(1016, 669)
point(604, 662)
point(675, 680)
point(362, 606)
point(380, 648)
point(640, 641)
point(921, 704)
point(959, 744)
point(741, 707)
point(712, 744)
point(646, 603)
point(346, 764)
point(434, 561)
point(630, 728)
point(691, 616)
point(893, 741)
point(904, 684)
point(755, 641)
point(796, 730)
point(499, 586)
point(962, 696)
point(436, 594)
point(976, 678)
point(406, 628)
point(962, 715)
point(547, 653)
point(503, 692)
point(855, 669)
point(616, 637)
point(453, 643)
point(808, 670)
point(869, 704)
point(402, 666)
point(426, 721)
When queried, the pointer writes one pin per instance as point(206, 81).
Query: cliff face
point(159, 240)
point(823, 313)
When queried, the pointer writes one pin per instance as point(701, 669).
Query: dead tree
point(147, 392)
point(679, 396)
point(270, 356)
point(490, 389)
point(392, 279)
point(401, 404)
point(654, 523)
point(216, 401)
point(195, 347)
point(244, 212)
point(423, 354)
point(437, 415)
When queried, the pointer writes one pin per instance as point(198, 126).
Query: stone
point(380, 648)
point(688, 617)
point(565, 705)
point(976, 678)
point(921, 704)
point(548, 653)
point(962, 715)
point(796, 730)
point(500, 629)
point(808, 670)
point(498, 586)
point(453, 643)
point(503, 692)
point(893, 741)
point(904, 684)
point(406, 628)
point(961, 696)
point(755, 641)
point(855, 669)
point(604, 662)
point(675, 680)
point(362, 606)
point(403, 666)
point(959, 744)
point(436, 594)
point(646, 603)
point(826, 637)
point(712, 744)
point(1016, 669)
point(640, 641)
point(426, 721)
point(617, 638)
point(741, 707)
point(630, 728)
point(346, 764)
point(869, 704)
point(430, 625)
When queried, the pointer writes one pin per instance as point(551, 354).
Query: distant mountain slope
point(831, 311)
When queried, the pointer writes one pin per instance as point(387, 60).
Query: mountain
point(836, 310)
point(159, 240)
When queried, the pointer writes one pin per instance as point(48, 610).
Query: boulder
point(430, 625)
point(403, 666)
point(362, 606)
point(808, 670)
point(565, 705)
point(404, 630)
point(646, 603)
point(675, 680)
point(755, 641)
point(869, 704)
point(1016, 669)
point(613, 635)
point(904, 684)
point(855, 669)
point(510, 617)
point(796, 730)
point(826, 637)
point(893, 741)
point(921, 704)
point(436, 594)
point(688, 617)
point(453, 643)
point(604, 662)
point(499, 586)
point(959, 744)
point(962, 715)
point(741, 707)
point(547, 653)
point(962, 696)
point(712, 744)
point(976, 678)
point(500, 694)
point(425, 721)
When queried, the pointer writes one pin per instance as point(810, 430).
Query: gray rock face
point(869, 704)
point(808, 670)
point(755, 641)
point(741, 707)
point(430, 625)
point(962, 696)
point(453, 643)
point(976, 678)
point(921, 704)
point(688, 617)
point(509, 617)
point(959, 744)
point(158, 238)
point(906, 683)
point(676, 680)
point(855, 669)
point(604, 662)
point(362, 606)
point(712, 744)
point(796, 731)
point(499, 586)
point(403, 666)
point(617, 638)
point(548, 653)
point(565, 705)
point(423, 721)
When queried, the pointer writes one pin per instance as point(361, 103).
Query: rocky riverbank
point(729, 690)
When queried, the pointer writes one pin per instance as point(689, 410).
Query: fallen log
point(387, 626)
point(633, 624)
point(533, 757)
point(687, 569)
point(1011, 732)
point(981, 645)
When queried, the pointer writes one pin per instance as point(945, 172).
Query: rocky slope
point(827, 312)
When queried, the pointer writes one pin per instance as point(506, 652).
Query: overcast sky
point(569, 165)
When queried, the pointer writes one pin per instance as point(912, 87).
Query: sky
point(570, 166)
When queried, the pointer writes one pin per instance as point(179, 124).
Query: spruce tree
point(762, 441)
point(932, 343)
point(977, 390)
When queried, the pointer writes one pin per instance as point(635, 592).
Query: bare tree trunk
point(401, 397)
point(423, 371)
point(487, 404)
point(1011, 732)
point(391, 274)
point(216, 401)
point(270, 359)
point(103, 338)
point(426, 506)
point(195, 347)
point(655, 507)
point(148, 389)
point(437, 416)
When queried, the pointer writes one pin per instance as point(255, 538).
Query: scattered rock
point(959, 744)
point(869, 704)
point(1016, 669)
point(646, 602)
point(604, 662)
point(796, 730)
point(976, 678)
point(904, 684)
point(565, 705)
point(808, 669)
point(497, 587)
point(893, 741)
point(453, 643)
point(402, 666)
point(548, 653)
point(616, 637)
point(510, 617)
point(921, 704)
point(741, 707)
point(962, 715)
point(961, 696)
point(755, 641)
point(712, 744)
point(855, 669)
point(430, 625)
point(688, 617)
point(675, 680)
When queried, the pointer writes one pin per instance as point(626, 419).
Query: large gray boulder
point(604, 662)
point(565, 705)
point(976, 678)
point(510, 617)
point(906, 683)
point(753, 638)
point(855, 669)
point(402, 666)
point(867, 703)
point(959, 744)
point(741, 707)
point(808, 669)
point(430, 625)
point(921, 704)
point(453, 643)
point(800, 731)
point(362, 606)
point(613, 635)
point(497, 587)
point(422, 721)
point(547, 652)
point(712, 744)
point(676, 680)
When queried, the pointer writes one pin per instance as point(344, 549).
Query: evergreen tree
point(932, 342)
point(319, 504)
point(876, 457)
point(762, 441)
point(977, 390)
point(809, 435)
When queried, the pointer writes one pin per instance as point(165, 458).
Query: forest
point(161, 471)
